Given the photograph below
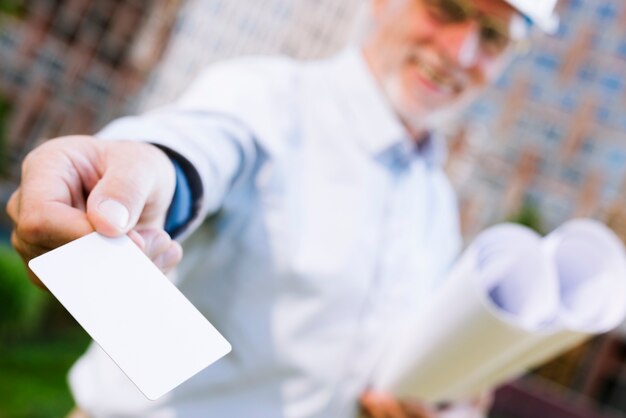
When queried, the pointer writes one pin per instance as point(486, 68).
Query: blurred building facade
point(214, 30)
point(68, 66)
point(552, 133)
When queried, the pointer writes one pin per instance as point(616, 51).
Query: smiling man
point(328, 216)
point(431, 57)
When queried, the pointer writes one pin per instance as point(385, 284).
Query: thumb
point(137, 185)
point(115, 205)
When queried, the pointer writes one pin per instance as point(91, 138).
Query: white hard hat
point(540, 12)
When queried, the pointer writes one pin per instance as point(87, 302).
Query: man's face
point(430, 57)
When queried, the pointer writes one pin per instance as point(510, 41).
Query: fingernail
point(114, 212)
point(158, 243)
point(167, 260)
point(137, 239)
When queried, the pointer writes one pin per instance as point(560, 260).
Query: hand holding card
point(138, 317)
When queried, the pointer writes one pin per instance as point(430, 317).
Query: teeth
point(436, 78)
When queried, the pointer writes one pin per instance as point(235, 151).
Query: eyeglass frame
point(511, 42)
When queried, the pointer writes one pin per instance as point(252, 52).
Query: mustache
point(433, 63)
point(439, 71)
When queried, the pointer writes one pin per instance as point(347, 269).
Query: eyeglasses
point(495, 34)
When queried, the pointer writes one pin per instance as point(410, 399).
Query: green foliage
point(21, 302)
point(5, 109)
point(33, 381)
point(12, 7)
point(530, 216)
point(38, 344)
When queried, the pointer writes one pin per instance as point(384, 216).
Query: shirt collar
point(379, 130)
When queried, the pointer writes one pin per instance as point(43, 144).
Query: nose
point(461, 43)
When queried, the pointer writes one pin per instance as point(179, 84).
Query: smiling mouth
point(436, 79)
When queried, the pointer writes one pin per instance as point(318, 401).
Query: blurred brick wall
point(69, 66)
point(552, 132)
point(213, 30)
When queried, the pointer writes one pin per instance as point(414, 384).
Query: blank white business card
point(138, 317)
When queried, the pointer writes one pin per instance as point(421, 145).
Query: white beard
point(423, 120)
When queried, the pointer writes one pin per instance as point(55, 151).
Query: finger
point(370, 408)
point(26, 250)
point(417, 410)
point(395, 410)
point(157, 242)
point(26, 231)
point(137, 239)
point(483, 402)
point(42, 207)
point(170, 258)
point(51, 225)
point(367, 405)
point(12, 205)
point(161, 249)
point(26, 256)
point(129, 190)
point(39, 232)
point(381, 405)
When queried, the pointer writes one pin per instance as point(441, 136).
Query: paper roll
point(483, 311)
point(512, 302)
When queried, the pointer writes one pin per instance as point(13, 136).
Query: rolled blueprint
point(502, 291)
point(591, 267)
point(576, 289)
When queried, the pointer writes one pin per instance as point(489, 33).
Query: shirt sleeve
point(228, 117)
point(187, 195)
point(213, 151)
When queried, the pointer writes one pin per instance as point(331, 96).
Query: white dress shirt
point(328, 225)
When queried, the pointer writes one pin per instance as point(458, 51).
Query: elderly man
point(328, 215)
